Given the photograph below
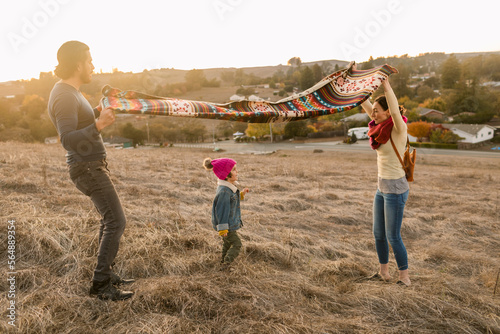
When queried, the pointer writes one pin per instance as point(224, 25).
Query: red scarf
point(380, 133)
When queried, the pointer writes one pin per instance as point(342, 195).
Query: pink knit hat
point(222, 167)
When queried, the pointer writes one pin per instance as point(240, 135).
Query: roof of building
point(472, 129)
point(424, 111)
point(495, 121)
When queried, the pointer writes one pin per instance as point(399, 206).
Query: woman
point(392, 193)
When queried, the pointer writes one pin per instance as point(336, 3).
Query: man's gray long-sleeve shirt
point(74, 120)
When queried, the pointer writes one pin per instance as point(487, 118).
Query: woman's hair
point(68, 56)
point(382, 101)
point(207, 163)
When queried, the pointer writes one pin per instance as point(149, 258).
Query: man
point(79, 131)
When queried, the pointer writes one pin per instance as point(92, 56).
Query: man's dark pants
point(92, 179)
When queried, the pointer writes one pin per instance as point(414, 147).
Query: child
point(226, 214)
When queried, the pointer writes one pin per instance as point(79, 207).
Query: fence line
point(211, 146)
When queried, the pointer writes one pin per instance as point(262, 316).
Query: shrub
point(444, 136)
point(350, 140)
point(297, 129)
point(419, 130)
point(129, 131)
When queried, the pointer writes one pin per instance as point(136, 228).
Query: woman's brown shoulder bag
point(408, 162)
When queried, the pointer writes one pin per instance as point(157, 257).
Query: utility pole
point(271, 131)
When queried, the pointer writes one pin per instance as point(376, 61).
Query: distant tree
point(326, 68)
point(491, 67)
point(294, 62)
point(436, 103)
point(41, 86)
point(317, 73)
point(137, 136)
point(412, 115)
point(195, 79)
point(239, 77)
point(295, 78)
point(227, 76)
point(33, 106)
point(252, 79)
point(424, 92)
point(408, 103)
point(41, 129)
point(419, 130)
point(157, 132)
point(367, 64)
point(257, 130)
point(279, 76)
point(194, 131)
point(239, 126)
point(450, 72)
point(245, 91)
point(444, 136)
point(432, 82)
point(172, 134)
point(225, 129)
point(400, 81)
point(7, 117)
point(211, 83)
point(328, 126)
point(306, 78)
point(297, 129)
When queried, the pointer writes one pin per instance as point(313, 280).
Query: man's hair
point(68, 56)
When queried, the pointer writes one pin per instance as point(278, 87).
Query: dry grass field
point(307, 246)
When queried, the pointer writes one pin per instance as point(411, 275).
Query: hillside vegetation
point(307, 246)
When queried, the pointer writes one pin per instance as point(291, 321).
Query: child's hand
point(243, 192)
point(223, 233)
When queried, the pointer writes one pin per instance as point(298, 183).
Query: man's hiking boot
point(107, 291)
point(117, 280)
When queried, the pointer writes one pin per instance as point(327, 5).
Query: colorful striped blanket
point(339, 91)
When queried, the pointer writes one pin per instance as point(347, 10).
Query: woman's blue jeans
point(387, 219)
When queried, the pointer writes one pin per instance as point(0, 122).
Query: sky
point(137, 35)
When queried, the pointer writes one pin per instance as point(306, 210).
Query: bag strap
point(397, 153)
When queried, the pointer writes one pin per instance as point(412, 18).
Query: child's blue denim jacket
point(226, 213)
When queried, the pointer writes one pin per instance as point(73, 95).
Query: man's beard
point(86, 78)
